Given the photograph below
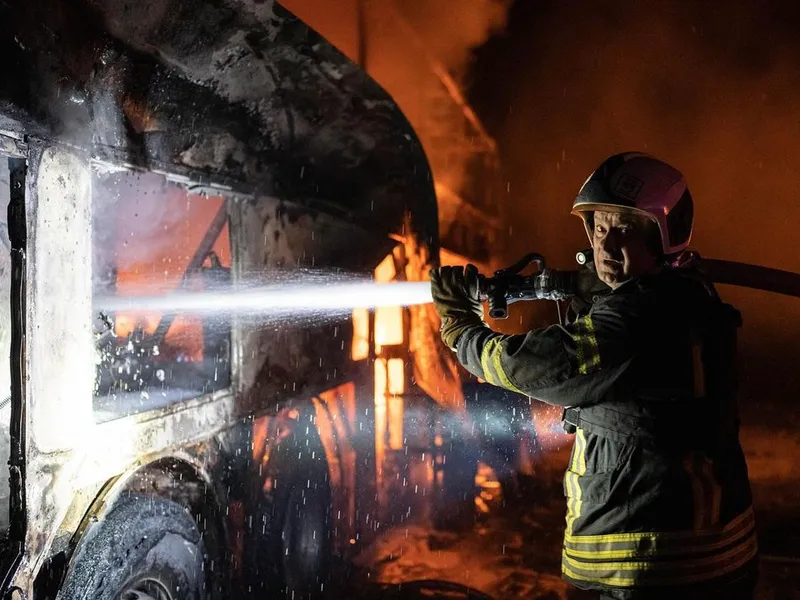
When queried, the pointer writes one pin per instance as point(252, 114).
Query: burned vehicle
point(184, 145)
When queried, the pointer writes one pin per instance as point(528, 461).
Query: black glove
point(455, 296)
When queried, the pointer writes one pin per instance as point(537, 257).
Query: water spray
point(276, 299)
point(316, 293)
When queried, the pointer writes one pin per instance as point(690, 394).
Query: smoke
point(710, 87)
point(452, 30)
point(448, 30)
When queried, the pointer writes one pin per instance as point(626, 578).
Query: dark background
point(712, 87)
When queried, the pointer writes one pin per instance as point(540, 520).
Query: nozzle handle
point(494, 291)
point(498, 305)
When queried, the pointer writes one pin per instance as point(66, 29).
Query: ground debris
point(513, 551)
point(508, 554)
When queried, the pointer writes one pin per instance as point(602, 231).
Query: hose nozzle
point(509, 285)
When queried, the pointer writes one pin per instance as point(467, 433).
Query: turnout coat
point(657, 488)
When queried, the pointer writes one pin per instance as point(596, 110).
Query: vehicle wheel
point(146, 548)
point(293, 543)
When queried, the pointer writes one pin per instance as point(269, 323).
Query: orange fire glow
point(360, 349)
point(389, 372)
point(380, 420)
point(388, 326)
point(164, 264)
point(388, 319)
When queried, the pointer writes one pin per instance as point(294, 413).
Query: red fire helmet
point(639, 183)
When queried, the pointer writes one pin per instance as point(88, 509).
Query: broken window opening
point(152, 238)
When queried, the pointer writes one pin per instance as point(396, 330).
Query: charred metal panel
point(237, 91)
point(63, 486)
point(306, 355)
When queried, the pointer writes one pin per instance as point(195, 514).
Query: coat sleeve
point(570, 365)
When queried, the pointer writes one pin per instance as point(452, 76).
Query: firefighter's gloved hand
point(455, 292)
point(455, 296)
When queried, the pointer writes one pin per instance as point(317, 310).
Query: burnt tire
point(293, 535)
point(145, 548)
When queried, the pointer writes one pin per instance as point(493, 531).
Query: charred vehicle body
point(186, 145)
point(164, 145)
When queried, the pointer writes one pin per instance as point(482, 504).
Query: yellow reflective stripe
point(594, 361)
point(655, 573)
point(586, 345)
point(573, 499)
point(615, 581)
point(663, 548)
point(577, 468)
point(570, 480)
point(570, 507)
point(579, 343)
point(486, 360)
point(652, 536)
point(491, 363)
point(501, 372)
point(580, 437)
point(661, 565)
point(660, 550)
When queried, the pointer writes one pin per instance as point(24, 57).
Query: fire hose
point(509, 285)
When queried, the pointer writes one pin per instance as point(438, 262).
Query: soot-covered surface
point(239, 91)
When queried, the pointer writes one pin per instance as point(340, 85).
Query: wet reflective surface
point(513, 549)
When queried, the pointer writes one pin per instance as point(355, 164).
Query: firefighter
point(658, 497)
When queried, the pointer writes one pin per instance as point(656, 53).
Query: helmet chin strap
point(678, 260)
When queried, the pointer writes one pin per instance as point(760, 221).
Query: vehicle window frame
point(16, 152)
point(194, 188)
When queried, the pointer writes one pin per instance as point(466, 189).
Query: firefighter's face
point(620, 243)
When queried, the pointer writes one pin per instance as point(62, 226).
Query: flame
point(389, 371)
point(380, 421)
point(419, 50)
point(396, 386)
point(360, 349)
